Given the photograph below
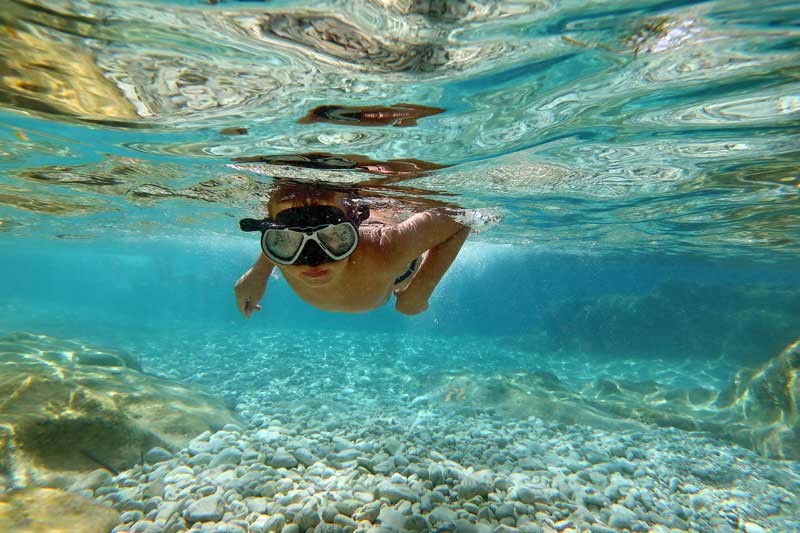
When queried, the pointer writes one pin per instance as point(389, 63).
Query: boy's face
point(313, 275)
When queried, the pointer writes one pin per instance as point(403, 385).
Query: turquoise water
point(630, 168)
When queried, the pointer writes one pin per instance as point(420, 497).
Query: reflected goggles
point(285, 245)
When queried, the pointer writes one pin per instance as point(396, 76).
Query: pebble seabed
point(414, 466)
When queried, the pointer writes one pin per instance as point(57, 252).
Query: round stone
point(157, 455)
point(283, 459)
point(208, 509)
point(228, 456)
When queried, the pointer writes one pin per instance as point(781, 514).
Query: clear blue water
point(638, 160)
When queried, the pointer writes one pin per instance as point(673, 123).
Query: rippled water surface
point(617, 126)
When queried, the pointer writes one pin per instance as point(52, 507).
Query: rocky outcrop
point(66, 409)
point(760, 410)
point(36, 510)
point(763, 406)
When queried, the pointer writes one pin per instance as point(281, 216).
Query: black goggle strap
point(251, 224)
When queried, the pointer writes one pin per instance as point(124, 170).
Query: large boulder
point(763, 406)
point(759, 410)
point(36, 510)
point(67, 409)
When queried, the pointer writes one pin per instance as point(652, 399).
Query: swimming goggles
point(287, 245)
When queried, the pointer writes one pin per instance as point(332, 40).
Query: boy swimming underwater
point(315, 237)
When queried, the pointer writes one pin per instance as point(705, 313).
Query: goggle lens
point(285, 245)
point(337, 239)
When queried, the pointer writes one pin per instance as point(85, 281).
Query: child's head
point(316, 230)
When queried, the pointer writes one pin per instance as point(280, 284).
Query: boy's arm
point(249, 289)
point(414, 298)
point(433, 232)
point(404, 242)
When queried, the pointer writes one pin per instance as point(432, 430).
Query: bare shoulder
point(393, 246)
point(420, 232)
point(372, 241)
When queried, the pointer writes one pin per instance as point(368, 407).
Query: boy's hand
point(409, 304)
point(249, 290)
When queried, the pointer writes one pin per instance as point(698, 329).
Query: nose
point(312, 255)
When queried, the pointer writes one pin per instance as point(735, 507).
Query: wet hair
point(303, 194)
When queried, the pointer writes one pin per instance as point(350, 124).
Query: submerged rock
point(53, 510)
point(60, 418)
point(157, 455)
point(208, 509)
point(764, 406)
point(759, 410)
point(476, 484)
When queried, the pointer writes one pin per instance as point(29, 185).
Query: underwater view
point(399, 265)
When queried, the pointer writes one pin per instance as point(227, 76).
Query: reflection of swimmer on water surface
point(317, 237)
point(397, 115)
point(407, 168)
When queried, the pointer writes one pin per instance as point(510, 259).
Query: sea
point(614, 348)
